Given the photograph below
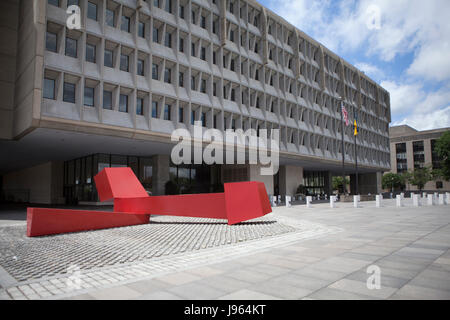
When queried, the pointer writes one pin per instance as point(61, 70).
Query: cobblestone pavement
point(304, 253)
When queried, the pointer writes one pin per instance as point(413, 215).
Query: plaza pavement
point(410, 245)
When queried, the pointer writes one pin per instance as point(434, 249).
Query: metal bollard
point(356, 201)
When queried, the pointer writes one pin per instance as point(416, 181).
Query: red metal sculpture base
point(241, 201)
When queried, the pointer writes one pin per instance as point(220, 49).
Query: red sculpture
point(241, 201)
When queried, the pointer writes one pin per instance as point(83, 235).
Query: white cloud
point(437, 119)
point(371, 70)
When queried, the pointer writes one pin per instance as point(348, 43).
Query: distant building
point(412, 149)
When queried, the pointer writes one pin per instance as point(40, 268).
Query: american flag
point(345, 114)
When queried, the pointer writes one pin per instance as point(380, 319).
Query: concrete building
point(412, 149)
point(111, 93)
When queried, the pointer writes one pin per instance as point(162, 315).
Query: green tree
point(442, 149)
point(338, 183)
point(393, 181)
point(419, 177)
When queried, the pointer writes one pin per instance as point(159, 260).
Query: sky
point(403, 45)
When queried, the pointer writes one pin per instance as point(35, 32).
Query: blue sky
point(404, 45)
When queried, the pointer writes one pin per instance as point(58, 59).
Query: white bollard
point(441, 199)
point(378, 199)
point(274, 201)
point(403, 195)
point(447, 198)
point(288, 201)
point(430, 200)
point(416, 200)
point(332, 201)
point(424, 195)
point(308, 201)
point(399, 201)
point(355, 201)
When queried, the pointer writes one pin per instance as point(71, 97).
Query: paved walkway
point(409, 245)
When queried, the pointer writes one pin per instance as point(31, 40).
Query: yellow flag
point(355, 133)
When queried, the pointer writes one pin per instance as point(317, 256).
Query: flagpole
point(356, 148)
point(342, 149)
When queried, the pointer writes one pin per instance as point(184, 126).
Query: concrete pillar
point(399, 201)
point(378, 200)
point(416, 200)
point(255, 175)
point(430, 200)
point(356, 201)
point(290, 177)
point(288, 201)
point(161, 164)
point(308, 201)
point(441, 199)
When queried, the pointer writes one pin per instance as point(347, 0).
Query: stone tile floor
point(327, 259)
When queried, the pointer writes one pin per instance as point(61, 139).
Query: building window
point(71, 47)
point(232, 35)
point(181, 79)
point(181, 12)
point(156, 3)
point(51, 41)
point(400, 150)
point(125, 24)
point(168, 7)
point(203, 119)
point(124, 62)
point(140, 106)
point(180, 114)
point(215, 121)
point(167, 75)
point(90, 52)
point(203, 86)
point(123, 103)
point(167, 112)
point(418, 154)
point(214, 58)
point(141, 29)
point(72, 3)
point(54, 2)
point(193, 16)
point(192, 117)
point(69, 92)
point(89, 96)
point(203, 22)
point(140, 67)
point(181, 45)
point(192, 82)
point(110, 17)
point(107, 100)
point(155, 35)
point(233, 98)
point(154, 109)
point(168, 40)
point(193, 49)
point(109, 58)
point(155, 71)
point(215, 89)
point(92, 11)
point(49, 88)
point(435, 159)
point(203, 53)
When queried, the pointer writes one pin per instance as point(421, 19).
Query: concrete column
point(290, 177)
point(378, 200)
point(416, 200)
point(399, 201)
point(255, 175)
point(161, 163)
point(430, 200)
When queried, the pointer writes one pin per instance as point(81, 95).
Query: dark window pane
point(181, 12)
point(69, 92)
point(123, 103)
point(154, 109)
point(167, 75)
point(92, 11)
point(90, 53)
point(180, 114)
point(71, 47)
point(168, 6)
point(181, 79)
point(110, 17)
point(49, 88)
point(168, 40)
point(54, 2)
point(141, 29)
point(167, 112)
point(73, 3)
point(88, 96)
point(140, 67)
point(154, 71)
point(155, 35)
point(108, 58)
point(124, 62)
point(140, 106)
point(107, 100)
point(125, 25)
point(156, 3)
point(51, 41)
